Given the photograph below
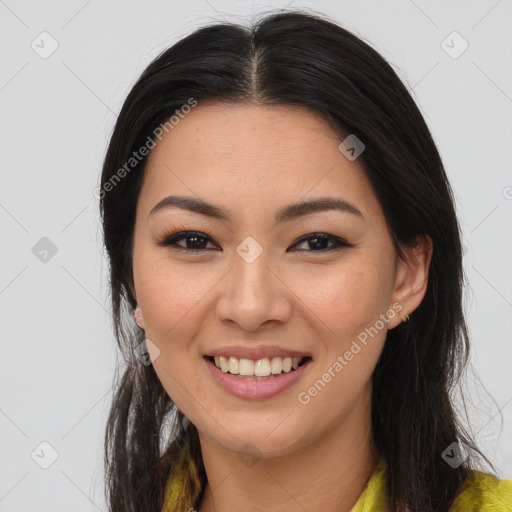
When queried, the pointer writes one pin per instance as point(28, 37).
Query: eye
point(197, 241)
point(317, 242)
point(320, 242)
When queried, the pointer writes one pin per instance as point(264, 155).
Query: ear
point(411, 278)
point(138, 317)
point(137, 314)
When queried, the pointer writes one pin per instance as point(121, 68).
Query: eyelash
point(171, 241)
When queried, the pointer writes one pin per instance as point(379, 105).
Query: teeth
point(276, 365)
point(233, 365)
point(260, 368)
point(246, 367)
point(223, 364)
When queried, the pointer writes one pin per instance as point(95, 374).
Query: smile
point(261, 378)
point(264, 367)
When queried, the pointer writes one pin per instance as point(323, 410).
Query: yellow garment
point(374, 496)
point(484, 493)
point(182, 492)
point(481, 492)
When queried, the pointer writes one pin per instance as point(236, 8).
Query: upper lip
point(257, 352)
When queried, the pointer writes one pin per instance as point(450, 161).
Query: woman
point(279, 222)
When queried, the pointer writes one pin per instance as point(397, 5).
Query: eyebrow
point(287, 213)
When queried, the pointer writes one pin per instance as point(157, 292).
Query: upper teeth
point(260, 368)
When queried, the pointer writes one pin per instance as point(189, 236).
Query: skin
point(253, 160)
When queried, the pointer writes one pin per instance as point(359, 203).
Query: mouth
point(258, 369)
point(257, 379)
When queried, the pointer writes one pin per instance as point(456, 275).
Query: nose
point(254, 295)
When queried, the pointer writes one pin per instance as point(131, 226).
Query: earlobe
point(138, 317)
point(411, 278)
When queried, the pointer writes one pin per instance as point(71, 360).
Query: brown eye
point(194, 241)
point(318, 242)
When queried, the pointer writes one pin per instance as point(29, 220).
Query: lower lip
point(256, 389)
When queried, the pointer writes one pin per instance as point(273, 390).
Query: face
point(255, 286)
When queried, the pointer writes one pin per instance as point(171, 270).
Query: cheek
point(172, 298)
point(350, 303)
point(171, 294)
point(347, 297)
point(175, 299)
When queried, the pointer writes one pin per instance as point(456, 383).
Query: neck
point(327, 475)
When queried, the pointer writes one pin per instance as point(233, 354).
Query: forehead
point(247, 134)
point(235, 153)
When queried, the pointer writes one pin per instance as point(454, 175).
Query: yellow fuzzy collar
point(481, 492)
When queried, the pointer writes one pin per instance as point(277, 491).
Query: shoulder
point(483, 492)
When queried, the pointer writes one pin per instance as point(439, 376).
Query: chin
point(272, 436)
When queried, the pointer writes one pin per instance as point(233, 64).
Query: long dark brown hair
point(302, 59)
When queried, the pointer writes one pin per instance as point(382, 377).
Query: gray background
point(56, 114)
